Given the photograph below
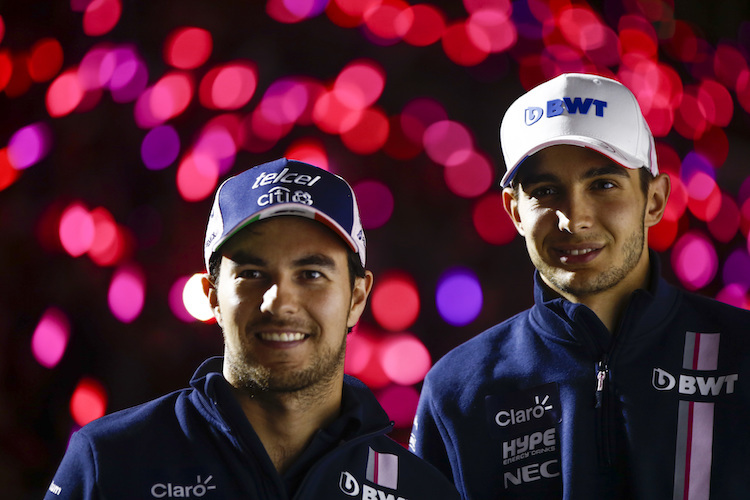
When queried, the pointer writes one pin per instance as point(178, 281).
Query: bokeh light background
point(119, 118)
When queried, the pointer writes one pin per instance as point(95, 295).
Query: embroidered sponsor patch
point(525, 424)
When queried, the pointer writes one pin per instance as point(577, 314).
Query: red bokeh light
point(45, 60)
point(427, 24)
point(331, 115)
point(188, 47)
point(388, 19)
point(713, 145)
point(101, 16)
point(729, 63)
point(359, 84)
point(663, 235)
point(724, 226)
point(88, 402)
point(229, 86)
point(491, 221)
point(471, 177)
point(8, 174)
point(459, 46)
point(369, 134)
point(310, 151)
point(20, 81)
point(395, 301)
point(6, 68)
point(197, 177)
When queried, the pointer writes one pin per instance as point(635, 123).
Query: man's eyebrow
point(609, 169)
point(244, 258)
point(318, 260)
point(534, 178)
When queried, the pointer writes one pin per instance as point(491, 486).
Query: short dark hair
point(356, 269)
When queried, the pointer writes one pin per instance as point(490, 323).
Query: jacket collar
point(360, 411)
point(646, 309)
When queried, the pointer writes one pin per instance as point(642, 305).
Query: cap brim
point(291, 209)
point(618, 156)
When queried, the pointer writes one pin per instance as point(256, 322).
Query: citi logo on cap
point(557, 107)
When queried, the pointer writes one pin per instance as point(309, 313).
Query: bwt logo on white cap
point(577, 109)
point(557, 107)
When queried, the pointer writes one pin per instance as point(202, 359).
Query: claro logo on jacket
point(525, 425)
point(197, 489)
point(381, 478)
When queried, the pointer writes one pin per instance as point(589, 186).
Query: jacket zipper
point(602, 408)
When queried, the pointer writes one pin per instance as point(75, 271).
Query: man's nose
point(268, 299)
point(278, 299)
point(576, 216)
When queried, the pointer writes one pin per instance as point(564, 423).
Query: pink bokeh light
point(50, 337)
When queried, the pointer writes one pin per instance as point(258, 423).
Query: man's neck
point(287, 422)
point(609, 305)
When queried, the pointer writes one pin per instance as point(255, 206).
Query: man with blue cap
point(275, 417)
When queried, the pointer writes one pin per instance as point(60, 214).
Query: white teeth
point(282, 337)
point(579, 252)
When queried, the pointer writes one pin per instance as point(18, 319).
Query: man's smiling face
point(584, 220)
point(284, 301)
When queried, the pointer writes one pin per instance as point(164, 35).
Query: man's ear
point(362, 289)
point(209, 290)
point(658, 195)
point(510, 203)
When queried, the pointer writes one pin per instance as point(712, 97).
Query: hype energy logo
point(556, 107)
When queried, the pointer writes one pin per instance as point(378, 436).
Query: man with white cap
point(614, 384)
point(276, 417)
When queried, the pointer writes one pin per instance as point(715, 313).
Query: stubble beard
point(565, 283)
point(253, 378)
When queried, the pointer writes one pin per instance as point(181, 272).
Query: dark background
point(95, 158)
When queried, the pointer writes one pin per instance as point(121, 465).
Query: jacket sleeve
point(429, 438)
point(76, 477)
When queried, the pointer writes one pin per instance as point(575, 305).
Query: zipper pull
point(601, 376)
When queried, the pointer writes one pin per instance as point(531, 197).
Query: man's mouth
point(577, 255)
point(578, 251)
point(282, 337)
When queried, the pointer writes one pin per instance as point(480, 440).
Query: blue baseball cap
point(284, 187)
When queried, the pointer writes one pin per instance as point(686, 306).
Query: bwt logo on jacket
point(557, 107)
point(662, 380)
point(381, 470)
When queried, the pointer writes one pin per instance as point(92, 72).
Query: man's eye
point(541, 192)
point(604, 184)
point(312, 275)
point(250, 274)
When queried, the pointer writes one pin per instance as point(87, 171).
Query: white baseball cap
point(579, 109)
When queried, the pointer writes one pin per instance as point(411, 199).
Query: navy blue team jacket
point(549, 405)
point(197, 443)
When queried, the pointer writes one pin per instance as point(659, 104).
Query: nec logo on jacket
point(525, 426)
point(557, 107)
